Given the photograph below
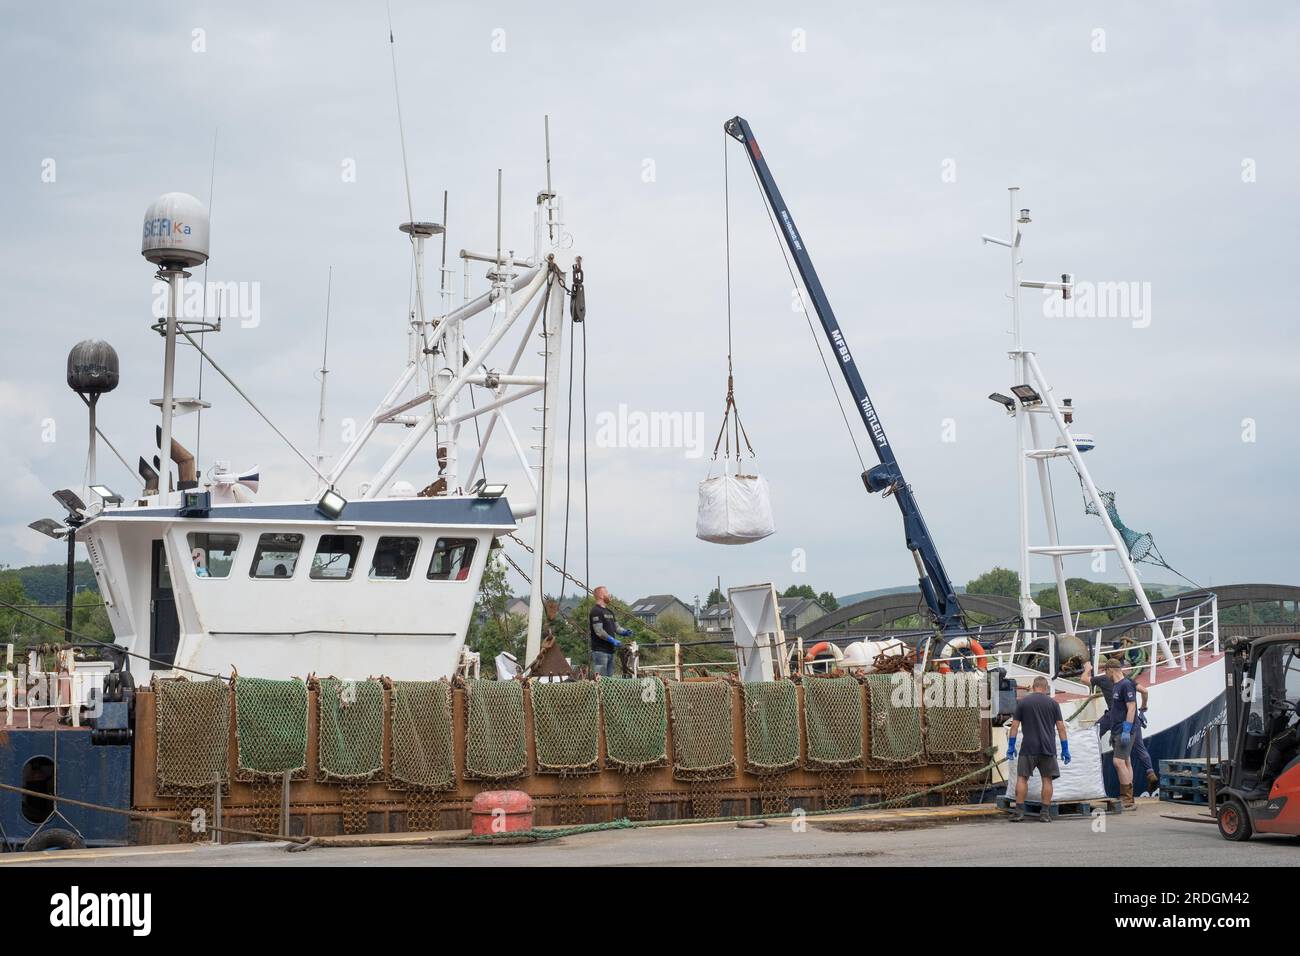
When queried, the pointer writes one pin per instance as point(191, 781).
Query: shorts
point(1118, 750)
point(1045, 764)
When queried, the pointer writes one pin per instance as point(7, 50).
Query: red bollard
point(501, 811)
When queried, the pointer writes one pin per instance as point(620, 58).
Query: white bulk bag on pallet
point(1079, 780)
point(734, 509)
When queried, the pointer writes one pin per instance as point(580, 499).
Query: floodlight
point(1005, 400)
point(331, 504)
point(107, 494)
point(50, 528)
point(1026, 394)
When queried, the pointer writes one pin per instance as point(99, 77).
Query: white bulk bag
point(1080, 779)
point(734, 509)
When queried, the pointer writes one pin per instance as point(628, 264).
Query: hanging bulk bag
point(734, 509)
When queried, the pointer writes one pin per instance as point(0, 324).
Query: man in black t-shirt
point(604, 634)
point(1123, 727)
point(1040, 716)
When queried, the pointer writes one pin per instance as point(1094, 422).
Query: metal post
point(677, 661)
point(176, 280)
point(1214, 621)
point(70, 584)
point(216, 810)
point(90, 451)
point(553, 333)
point(1196, 636)
point(284, 804)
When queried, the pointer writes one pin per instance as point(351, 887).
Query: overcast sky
point(1155, 144)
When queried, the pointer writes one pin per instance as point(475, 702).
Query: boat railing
point(1188, 623)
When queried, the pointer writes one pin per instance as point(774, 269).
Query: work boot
point(1126, 795)
point(1153, 781)
point(1045, 815)
point(1018, 815)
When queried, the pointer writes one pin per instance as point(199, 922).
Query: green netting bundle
point(420, 735)
point(895, 716)
point(952, 714)
point(193, 733)
point(494, 730)
point(636, 722)
point(566, 726)
point(270, 727)
point(702, 742)
point(832, 708)
point(1140, 544)
point(771, 726)
point(350, 729)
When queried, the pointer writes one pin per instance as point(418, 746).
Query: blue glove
point(1011, 748)
point(624, 632)
point(1065, 751)
point(1126, 733)
point(616, 642)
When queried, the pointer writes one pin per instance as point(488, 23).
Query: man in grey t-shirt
point(1039, 715)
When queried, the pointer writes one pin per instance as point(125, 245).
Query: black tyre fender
point(54, 839)
point(1234, 821)
point(1035, 655)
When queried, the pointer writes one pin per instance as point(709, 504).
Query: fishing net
point(566, 726)
point(895, 715)
point(420, 735)
point(771, 726)
point(636, 722)
point(952, 715)
point(702, 742)
point(193, 734)
point(494, 730)
point(350, 730)
point(270, 728)
point(833, 717)
point(1141, 546)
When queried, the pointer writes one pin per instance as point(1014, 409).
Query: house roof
point(567, 605)
point(656, 604)
point(797, 605)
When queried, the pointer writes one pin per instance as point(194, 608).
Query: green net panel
point(270, 728)
point(494, 730)
point(1141, 546)
point(771, 726)
point(702, 742)
point(895, 716)
point(952, 715)
point(566, 726)
point(636, 722)
point(350, 730)
point(833, 715)
point(420, 734)
point(192, 721)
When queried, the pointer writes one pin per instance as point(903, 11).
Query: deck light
point(50, 528)
point(70, 501)
point(482, 489)
point(1027, 395)
point(1006, 400)
point(331, 504)
point(106, 494)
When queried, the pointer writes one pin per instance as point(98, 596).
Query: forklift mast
point(887, 477)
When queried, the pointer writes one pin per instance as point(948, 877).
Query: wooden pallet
point(1176, 794)
point(1068, 808)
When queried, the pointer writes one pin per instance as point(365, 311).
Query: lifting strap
point(738, 430)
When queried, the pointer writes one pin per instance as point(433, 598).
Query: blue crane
point(887, 477)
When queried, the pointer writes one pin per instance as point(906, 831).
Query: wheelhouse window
point(213, 555)
point(276, 555)
point(452, 558)
point(336, 557)
point(394, 558)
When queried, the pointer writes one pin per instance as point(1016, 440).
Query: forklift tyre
point(1234, 821)
point(54, 839)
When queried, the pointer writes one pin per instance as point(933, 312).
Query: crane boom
point(887, 476)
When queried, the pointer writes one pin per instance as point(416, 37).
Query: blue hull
point(1185, 739)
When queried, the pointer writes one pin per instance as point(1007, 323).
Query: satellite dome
point(92, 367)
point(175, 232)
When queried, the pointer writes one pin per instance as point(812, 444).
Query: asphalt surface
point(1144, 838)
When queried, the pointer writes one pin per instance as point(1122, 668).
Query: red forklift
point(1259, 780)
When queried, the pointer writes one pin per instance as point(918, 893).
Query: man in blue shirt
point(1140, 757)
point(1123, 729)
point(1040, 715)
